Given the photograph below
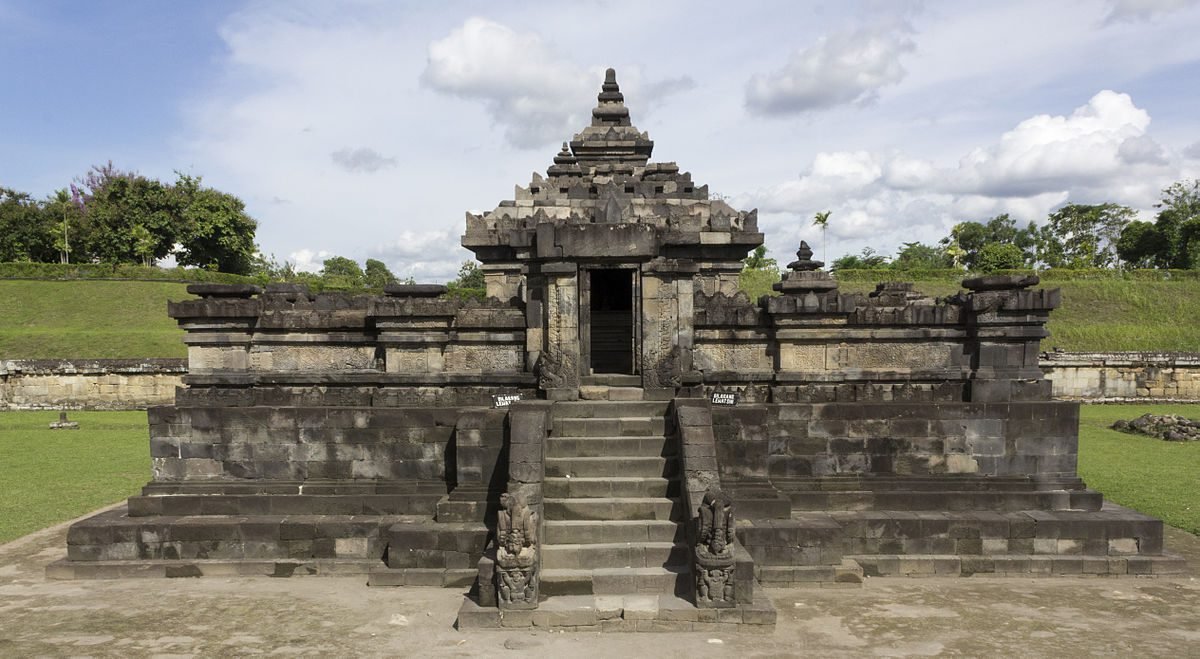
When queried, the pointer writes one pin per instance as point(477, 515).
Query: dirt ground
point(342, 617)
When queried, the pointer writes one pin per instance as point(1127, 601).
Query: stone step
point(608, 392)
point(612, 380)
point(591, 488)
point(614, 508)
point(613, 555)
point(596, 447)
point(283, 504)
point(561, 531)
point(623, 426)
point(634, 612)
point(588, 409)
point(610, 466)
point(670, 579)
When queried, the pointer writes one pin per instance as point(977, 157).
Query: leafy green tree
point(1088, 234)
point(759, 273)
point(68, 224)
point(919, 256)
point(341, 273)
point(967, 239)
point(999, 256)
point(114, 203)
point(868, 259)
point(214, 231)
point(377, 275)
point(26, 231)
point(469, 284)
point(1178, 222)
point(1141, 245)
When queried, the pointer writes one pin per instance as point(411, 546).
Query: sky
point(366, 129)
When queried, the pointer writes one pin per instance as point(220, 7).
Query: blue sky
point(365, 128)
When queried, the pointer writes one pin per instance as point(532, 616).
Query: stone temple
point(617, 438)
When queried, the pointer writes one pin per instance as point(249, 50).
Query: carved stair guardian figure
point(516, 554)
point(714, 551)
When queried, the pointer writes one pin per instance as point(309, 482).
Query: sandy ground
point(341, 617)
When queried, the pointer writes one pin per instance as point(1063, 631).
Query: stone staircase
point(614, 520)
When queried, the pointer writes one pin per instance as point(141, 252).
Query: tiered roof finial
point(804, 262)
point(611, 138)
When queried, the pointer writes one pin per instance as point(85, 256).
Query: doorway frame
point(585, 314)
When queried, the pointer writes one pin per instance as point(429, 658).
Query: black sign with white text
point(724, 398)
point(504, 400)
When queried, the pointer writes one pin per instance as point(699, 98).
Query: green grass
point(88, 319)
point(49, 476)
point(1149, 475)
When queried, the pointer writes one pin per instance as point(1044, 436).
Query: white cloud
point(535, 93)
point(1143, 10)
point(839, 69)
point(361, 160)
point(307, 260)
point(1101, 152)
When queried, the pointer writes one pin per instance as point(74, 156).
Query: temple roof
point(611, 138)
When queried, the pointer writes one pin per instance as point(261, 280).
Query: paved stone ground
point(339, 617)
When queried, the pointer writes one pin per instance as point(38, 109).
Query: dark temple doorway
point(611, 309)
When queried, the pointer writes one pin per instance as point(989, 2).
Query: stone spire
point(612, 138)
point(565, 163)
point(806, 276)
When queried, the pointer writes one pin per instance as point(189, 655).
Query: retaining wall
point(97, 384)
point(122, 384)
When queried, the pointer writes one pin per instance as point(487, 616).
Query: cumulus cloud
point(1143, 10)
point(536, 93)
point(361, 160)
point(308, 260)
point(1100, 152)
point(531, 90)
point(1192, 151)
point(839, 69)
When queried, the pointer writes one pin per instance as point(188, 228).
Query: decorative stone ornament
point(516, 554)
point(714, 551)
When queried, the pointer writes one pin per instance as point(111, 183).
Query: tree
point(967, 239)
point(215, 232)
point(1000, 256)
point(1178, 222)
point(377, 275)
point(821, 219)
point(341, 273)
point(759, 273)
point(69, 226)
point(469, 284)
point(868, 259)
point(919, 256)
point(26, 231)
point(1088, 234)
point(1141, 245)
point(114, 203)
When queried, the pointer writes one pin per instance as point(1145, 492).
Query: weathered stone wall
point(1123, 376)
point(304, 443)
point(100, 384)
point(896, 439)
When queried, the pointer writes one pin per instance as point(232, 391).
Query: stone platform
point(622, 613)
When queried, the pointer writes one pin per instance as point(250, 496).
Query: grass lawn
point(89, 319)
point(49, 476)
point(1149, 475)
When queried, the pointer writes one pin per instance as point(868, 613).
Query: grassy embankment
point(88, 319)
point(49, 476)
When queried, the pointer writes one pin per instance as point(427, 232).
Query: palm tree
point(821, 219)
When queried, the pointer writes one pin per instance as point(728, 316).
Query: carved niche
point(516, 554)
